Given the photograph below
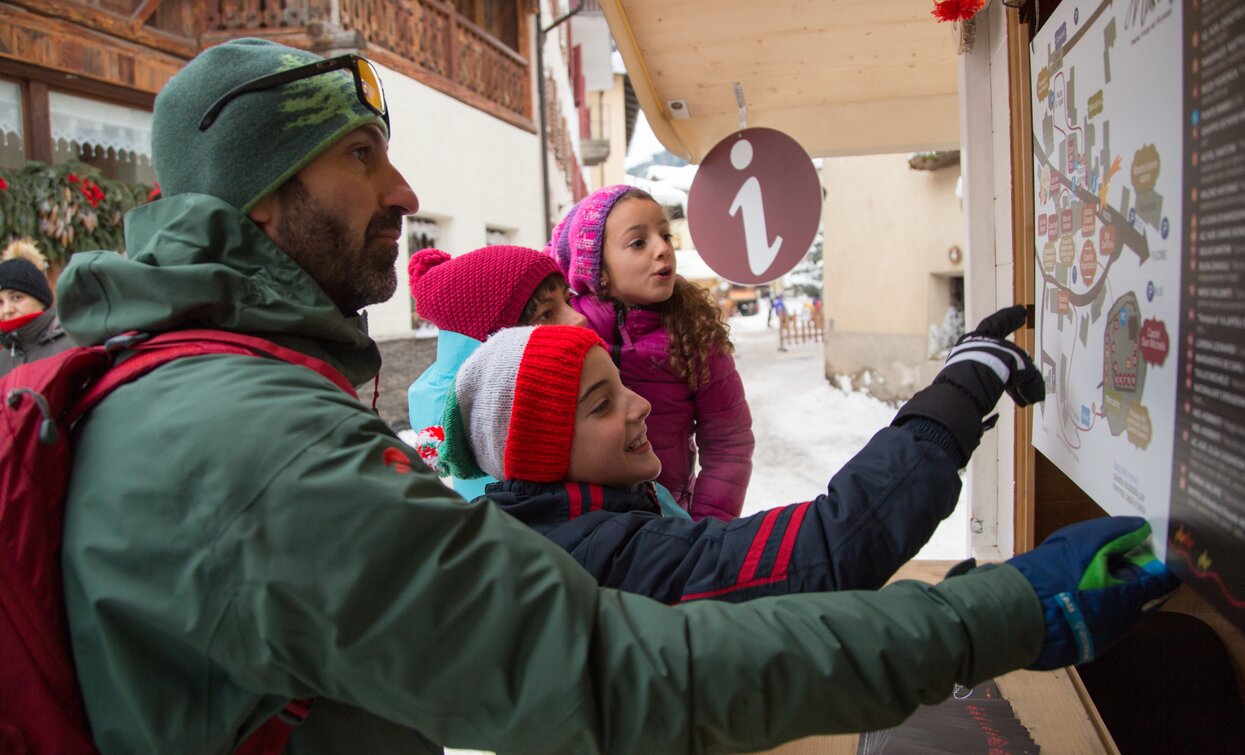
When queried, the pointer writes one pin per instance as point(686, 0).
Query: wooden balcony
point(427, 40)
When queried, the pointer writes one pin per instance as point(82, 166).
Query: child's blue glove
point(1093, 579)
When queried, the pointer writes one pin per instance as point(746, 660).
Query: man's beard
point(353, 272)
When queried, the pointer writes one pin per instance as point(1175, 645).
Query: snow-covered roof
point(665, 194)
point(678, 176)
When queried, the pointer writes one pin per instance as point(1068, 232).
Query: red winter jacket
point(714, 420)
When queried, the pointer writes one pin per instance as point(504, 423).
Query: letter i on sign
point(754, 206)
point(761, 252)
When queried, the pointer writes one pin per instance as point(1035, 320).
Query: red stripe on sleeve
point(596, 497)
point(577, 500)
point(788, 539)
point(757, 549)
point(747, 575)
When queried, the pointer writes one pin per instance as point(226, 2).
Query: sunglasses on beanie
point(366, 84)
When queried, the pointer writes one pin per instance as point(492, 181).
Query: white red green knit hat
point(511, 413)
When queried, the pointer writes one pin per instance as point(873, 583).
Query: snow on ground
point(806, 428)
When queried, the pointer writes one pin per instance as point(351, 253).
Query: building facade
point(894, 265)
point(78, 79)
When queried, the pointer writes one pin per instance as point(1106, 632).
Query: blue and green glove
point(1093, 579)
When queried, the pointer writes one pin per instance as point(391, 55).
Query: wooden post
point(37, 119)
point(1023, 260)
point(451, 45)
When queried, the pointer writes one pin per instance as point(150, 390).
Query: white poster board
point(1108, 156)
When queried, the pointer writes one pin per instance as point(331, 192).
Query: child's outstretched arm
point(876, 514)
point(723, 433)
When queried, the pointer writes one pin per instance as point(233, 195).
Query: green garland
point(66, 208)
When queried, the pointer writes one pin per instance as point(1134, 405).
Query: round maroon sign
point(754, 206)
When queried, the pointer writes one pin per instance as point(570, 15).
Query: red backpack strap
point(256, 345)
point(161, 349)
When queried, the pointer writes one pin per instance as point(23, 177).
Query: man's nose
point(399, 195)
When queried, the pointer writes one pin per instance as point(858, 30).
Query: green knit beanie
point(261, 139)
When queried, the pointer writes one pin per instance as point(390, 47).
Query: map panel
point(1108, 182)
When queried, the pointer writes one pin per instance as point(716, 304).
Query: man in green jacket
point(240, 532)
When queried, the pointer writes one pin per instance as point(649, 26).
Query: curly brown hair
point(694, 322)
point(692, 318)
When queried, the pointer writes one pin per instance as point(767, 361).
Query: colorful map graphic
point(1107, 191)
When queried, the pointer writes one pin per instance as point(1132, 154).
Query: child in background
point(668, 340)
point(468, 298)
point(29, 328)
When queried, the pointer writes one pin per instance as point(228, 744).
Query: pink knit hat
point(480, 292)
point(577, 241)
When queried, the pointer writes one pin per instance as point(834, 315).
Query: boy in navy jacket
point(543, 410)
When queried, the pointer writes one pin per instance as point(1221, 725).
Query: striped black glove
point(980, 367)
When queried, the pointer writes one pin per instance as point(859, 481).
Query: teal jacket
point(240, 532)
point(426, 396)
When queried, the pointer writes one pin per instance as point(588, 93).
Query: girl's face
point(14, 303)
point(637, 260)
point(610, 446)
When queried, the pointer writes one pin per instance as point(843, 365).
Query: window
point(54, 118)
point(496, 236)
point(114, 138)
point(12, 146)
point(420, 234)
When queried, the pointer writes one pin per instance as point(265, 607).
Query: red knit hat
point(512, 411)
point(477, 293)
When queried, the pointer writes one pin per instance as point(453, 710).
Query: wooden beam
point(1022, 262)
point(70, 49)
point(142, 13)
point(90, 18)
point(37, 120)
point(442, 84)
point(75, 84)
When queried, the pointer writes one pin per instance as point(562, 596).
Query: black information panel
point(1207, 533)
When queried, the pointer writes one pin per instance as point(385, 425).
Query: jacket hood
point(196, 261)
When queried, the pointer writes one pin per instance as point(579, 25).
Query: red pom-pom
point(956, 10)
point(421, 262)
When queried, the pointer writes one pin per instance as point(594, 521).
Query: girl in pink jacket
point(668, 340)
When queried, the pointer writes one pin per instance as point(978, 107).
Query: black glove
point(980, 367)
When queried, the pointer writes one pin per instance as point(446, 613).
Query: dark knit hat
point(260, 139)
point(511, 413)
point(20, 275)
point(477, 293)
point(578, 240)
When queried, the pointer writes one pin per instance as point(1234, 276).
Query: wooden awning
point(842, 77)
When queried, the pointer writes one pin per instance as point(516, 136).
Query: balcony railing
point(425, 39)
